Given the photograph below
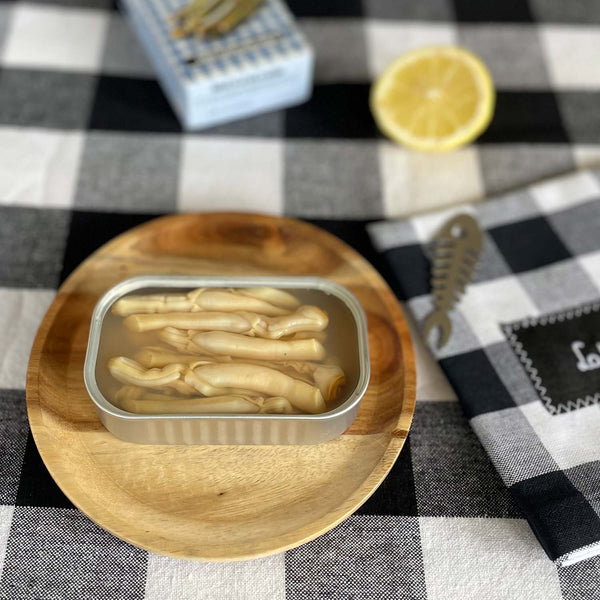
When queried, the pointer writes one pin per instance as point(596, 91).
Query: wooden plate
point(217, 502)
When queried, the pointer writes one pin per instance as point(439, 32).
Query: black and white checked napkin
point(524, 355)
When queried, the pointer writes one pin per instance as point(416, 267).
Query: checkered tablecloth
point(90, 148)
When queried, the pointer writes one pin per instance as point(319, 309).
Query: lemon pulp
point(435, 99)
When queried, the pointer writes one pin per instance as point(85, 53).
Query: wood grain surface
point(217, 502)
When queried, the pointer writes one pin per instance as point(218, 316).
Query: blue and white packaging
point(264, 64)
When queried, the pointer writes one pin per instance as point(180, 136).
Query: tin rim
point(183, 281)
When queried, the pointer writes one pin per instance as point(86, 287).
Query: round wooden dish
point(217, 502)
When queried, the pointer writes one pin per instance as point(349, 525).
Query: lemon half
point(435, 99)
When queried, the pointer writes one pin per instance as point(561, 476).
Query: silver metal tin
point(226, 429)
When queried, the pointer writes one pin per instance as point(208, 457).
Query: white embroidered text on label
point(585, 362)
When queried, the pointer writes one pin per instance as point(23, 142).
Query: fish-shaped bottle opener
point(455, 253)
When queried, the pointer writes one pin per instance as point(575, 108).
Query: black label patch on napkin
point(561, 354)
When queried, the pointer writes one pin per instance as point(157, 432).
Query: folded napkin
point(524, 354)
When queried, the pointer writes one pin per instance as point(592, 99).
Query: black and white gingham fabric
point(524, 356)
point(89, 148)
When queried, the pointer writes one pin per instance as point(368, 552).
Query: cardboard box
point(263, 64)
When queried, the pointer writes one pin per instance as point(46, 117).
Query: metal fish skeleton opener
point(456, 251)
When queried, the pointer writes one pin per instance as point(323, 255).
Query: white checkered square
point(386, 40)
point(572, 55)
point(577, 442)
point(55, 38)
point(586, 156)
point(6, 513)
point(395, 181)
point(591, 265)
point(565, 192)
point(21, 312)
point(415, 182)
point(488, 304)
point(428, 225)
point(39, 167)
point(390, 234)
point(495, 559)
point(227, 173)
point(261, 579)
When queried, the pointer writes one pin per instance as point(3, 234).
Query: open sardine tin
point(346, 340)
